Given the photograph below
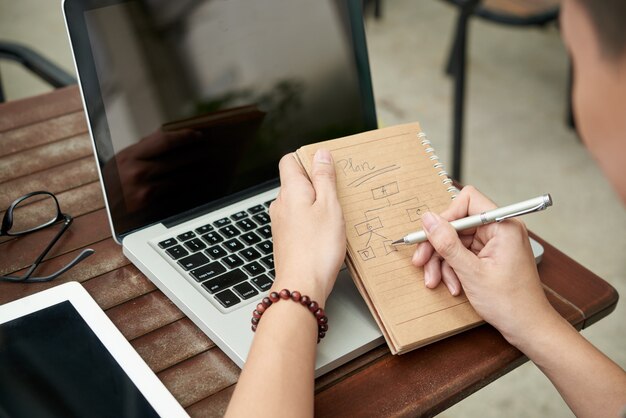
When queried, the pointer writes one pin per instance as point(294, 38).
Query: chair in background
point(36, 63)
point(522, 13)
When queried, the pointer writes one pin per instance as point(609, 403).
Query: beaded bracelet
point(320, 316)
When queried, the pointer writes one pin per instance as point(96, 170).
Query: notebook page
point(386, 181)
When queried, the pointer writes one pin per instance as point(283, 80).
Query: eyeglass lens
point(33, 212)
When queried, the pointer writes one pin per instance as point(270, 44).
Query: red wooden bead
point(321, 334)
point(305, 300)
point(313, 306)
point(260, 308)
point(255, 321)
point(323, 327)
point(322, 320)
point(295, 296)
point(285, 294)
point(267, 302)
point(319, 313)
point(253, 328)
point(256, 314)
point(274, 297)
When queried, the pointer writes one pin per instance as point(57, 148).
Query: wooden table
point(44, 145)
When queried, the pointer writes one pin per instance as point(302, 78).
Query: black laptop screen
point(194, 102)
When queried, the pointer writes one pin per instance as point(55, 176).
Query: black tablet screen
point(53, 365)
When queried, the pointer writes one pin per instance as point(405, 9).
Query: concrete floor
point(517, 146)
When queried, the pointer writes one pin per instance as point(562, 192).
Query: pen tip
point(400, 241)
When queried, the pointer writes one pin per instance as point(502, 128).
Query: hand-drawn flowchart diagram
point(385, 203)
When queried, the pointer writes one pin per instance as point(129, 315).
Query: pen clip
point(540, 206)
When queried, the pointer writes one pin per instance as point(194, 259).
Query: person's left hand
point(308, 228)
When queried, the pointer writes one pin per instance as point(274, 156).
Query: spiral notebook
point(386, 180)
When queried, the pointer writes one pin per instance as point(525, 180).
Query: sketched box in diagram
point(367, 254)
point(415, 214)
point(368, 226)
point(388, 247)
point(385, 191)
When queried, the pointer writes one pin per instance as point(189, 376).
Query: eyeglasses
point(20, 219)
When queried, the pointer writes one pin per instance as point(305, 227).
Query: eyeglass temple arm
point(84, 254)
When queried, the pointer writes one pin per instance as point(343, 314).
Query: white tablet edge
point(129, 360)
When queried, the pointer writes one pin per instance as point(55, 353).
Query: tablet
point(61, 356)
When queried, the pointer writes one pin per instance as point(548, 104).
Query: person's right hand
point(493, 263)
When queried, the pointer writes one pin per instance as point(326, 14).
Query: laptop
point(190, 106)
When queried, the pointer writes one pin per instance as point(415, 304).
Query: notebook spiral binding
point(447, 181)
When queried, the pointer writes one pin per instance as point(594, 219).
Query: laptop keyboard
point(232, 258)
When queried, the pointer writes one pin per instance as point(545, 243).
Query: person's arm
point(309, 246)
point(494, 266)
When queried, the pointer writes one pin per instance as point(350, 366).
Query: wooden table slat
point(44, 157)
point(144, 314)
point(201, 376)
point(67, 176)
point(35, 109)
point(171, 344)
point(212, 406)
point(40, 133)
point(118, 286)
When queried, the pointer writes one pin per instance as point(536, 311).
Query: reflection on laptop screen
point(200, 99)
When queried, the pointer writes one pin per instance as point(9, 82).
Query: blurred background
point(517, 143)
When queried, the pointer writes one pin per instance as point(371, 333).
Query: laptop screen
point(192, 103)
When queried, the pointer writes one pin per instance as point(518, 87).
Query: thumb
point(323, 175)
point(447, 243)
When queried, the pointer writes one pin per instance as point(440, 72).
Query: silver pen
point(484, 218)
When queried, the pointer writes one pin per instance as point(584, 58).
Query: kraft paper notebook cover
point(385, 180)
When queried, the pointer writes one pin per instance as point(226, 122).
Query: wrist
point(539, 333)
point(303, 284)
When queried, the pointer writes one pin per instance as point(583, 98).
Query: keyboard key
point(272, 273)
point(233, 245)
point(262, 218)
point(204, 229)
point(268, 203)
point(268, 261)
point(213, 238)
point(195, 244)
point(246, 225)
point(250, 238)
point(193, 261)
point(186, 236)
point(227, 298)
point(208, 271)
point(262, 282)
point(266, 247)
point(245, 290)
point(232, 261)
point(249, 254)
point(216, 252)
point(256, 209)
point(168, 243)
point(176, 252)
point(224, 281)
point(221, 222)
point(254, 268)
point(230, 231)
point(265, 231)
point(239, 215)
